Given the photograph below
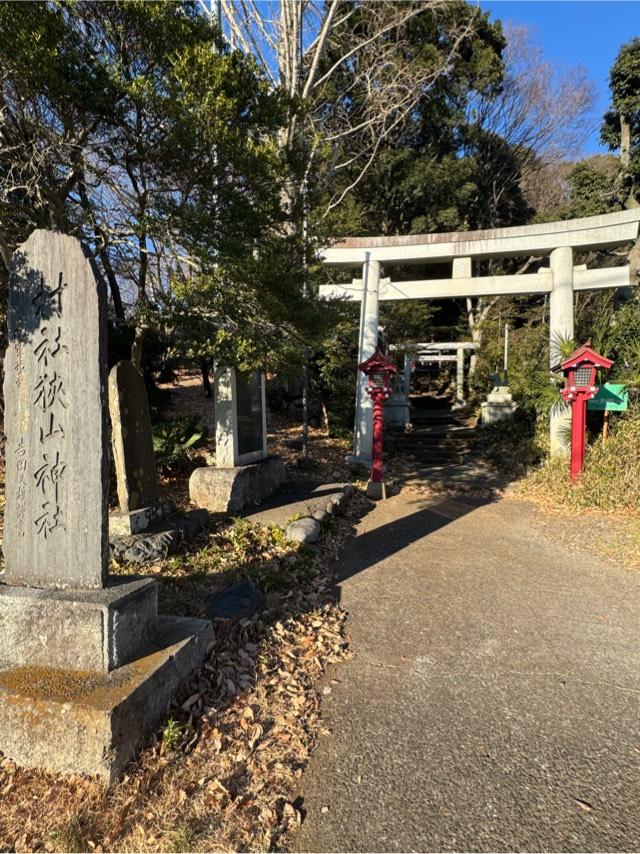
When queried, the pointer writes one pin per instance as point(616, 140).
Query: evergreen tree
point(621, 124)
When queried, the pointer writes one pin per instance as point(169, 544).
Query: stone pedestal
point(397, 411)
point(138, 521)
point(96, 630)
point(232, 490)
point(76, 722)
point(498, 406)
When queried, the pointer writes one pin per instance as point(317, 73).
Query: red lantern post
point(379, 372)
point(579, 387)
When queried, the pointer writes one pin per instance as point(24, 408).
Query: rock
point(293, 444)
point(338, 501)
point(155, 545)
point(151, 548)
point(320, 515)
point(192, 523)
point(331, 508)
point(241, 601)
point(304, 531)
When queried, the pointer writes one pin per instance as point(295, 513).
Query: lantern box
point(580, 372)
point(380, 372)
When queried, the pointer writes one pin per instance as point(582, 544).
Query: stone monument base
point(96, 630)
point(376, 490)
point(137, 521)
point(89, 723)
point(397, 411)
point(231, 490)
point(498, 406)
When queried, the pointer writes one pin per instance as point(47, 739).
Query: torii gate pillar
point(560, 328)
point(363, 431)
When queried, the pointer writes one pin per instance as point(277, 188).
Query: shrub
point(172, 440)
point(611, 477)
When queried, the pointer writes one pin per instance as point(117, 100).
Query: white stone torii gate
point(435, 351)
point(559, 280)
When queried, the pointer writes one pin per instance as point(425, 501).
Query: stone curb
point(307, 530)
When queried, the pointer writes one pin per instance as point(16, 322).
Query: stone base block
point(231, 490)
point(498, 406)
point(494, 412)
point(397, 411)
point(97, 630)
point(83, 723)
point(126, 524)
point(376, 490)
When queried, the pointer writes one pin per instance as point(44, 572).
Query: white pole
point(560, 329)
point(506, 354)
point(363, 433)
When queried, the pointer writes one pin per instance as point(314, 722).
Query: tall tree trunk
point(206, 382)
point(136, 348)
point(625, 161)
point(625, 141)
point(114, 287)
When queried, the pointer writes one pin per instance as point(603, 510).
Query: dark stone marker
point(56, 417)
point(241, 601)
point(131, 438)
point(249, 411)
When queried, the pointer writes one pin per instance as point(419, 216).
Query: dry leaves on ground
point(223, 772)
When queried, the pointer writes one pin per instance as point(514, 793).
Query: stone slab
point(57, 474)
point(231, 490)
point(124, 524)
point(89, 724)
point(298, 498)
point(97, 630)
point(132, 440)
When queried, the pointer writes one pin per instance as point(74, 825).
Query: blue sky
point(582, 32)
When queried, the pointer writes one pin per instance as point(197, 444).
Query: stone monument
point(133, 455)
point(87, 667)
point(244, 472)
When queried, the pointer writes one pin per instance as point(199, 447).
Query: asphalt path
point(492, 700)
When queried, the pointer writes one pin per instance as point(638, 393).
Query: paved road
point(492, 702)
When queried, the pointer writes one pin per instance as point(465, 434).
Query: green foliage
point(172, 440)
point(428, 175)
point(593, 189)
point(407, 322)
point(516, 444)
point(336, 370)
point(624, 113)
point(611, 477)
point(173, 734)
point(534, 388)
point(133, 125)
